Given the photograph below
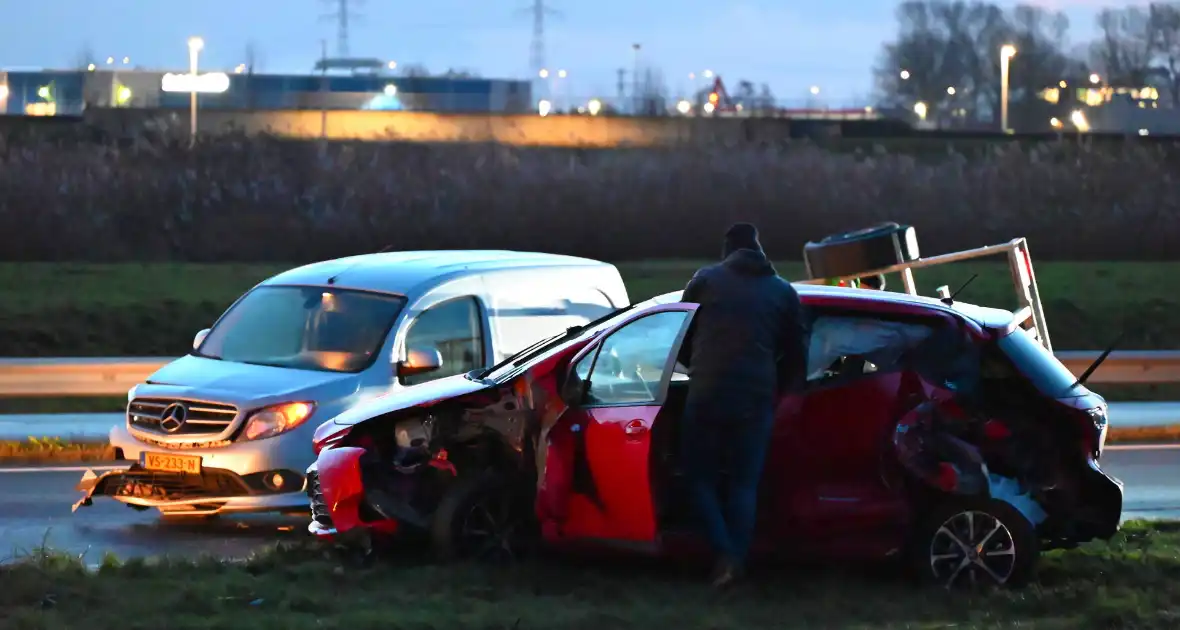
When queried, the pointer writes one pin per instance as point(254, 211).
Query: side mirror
point(200, 338)
point(420, 361)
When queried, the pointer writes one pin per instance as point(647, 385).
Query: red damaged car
point(944, 434)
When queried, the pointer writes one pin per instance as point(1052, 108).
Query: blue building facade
point(70, 92)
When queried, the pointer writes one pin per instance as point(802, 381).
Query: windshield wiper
point(529, 352)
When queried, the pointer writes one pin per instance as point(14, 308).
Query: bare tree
point(1164, 28)
point(84, 57)
point(1122, 53)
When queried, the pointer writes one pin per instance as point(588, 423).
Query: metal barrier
point(111, 376)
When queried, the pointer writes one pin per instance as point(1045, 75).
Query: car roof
point(402, 272)
point(865, 298)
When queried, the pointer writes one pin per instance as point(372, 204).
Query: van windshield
point(307, 328)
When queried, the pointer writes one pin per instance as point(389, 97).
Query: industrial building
point(70, 92)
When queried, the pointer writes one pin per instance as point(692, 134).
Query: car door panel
point(612, 442)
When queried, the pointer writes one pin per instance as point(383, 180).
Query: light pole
point(195, 44)
point(1007, 52)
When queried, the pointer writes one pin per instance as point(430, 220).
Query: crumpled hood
point(418, 395)
point(211, 377)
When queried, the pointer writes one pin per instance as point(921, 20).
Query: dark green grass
point(1132, 582)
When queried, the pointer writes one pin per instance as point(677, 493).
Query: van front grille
point(180, 417)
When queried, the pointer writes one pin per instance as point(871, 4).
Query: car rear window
point(1046, 373)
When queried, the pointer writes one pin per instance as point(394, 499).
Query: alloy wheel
point(972, 547)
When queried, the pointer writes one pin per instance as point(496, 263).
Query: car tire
point(944, 549)
point(850, 253)
point(481, 517)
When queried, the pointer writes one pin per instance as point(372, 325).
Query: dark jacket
point(748, 339)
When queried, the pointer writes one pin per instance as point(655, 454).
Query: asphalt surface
point(35, 510)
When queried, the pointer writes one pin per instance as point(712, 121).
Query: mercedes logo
point(174, 417)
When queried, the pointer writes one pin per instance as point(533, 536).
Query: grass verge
point(1129, 582)
point(53, 450)
point(155, 309)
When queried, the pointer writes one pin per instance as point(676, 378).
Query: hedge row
point(260, 199)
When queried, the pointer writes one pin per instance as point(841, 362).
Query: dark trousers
point(714, 438)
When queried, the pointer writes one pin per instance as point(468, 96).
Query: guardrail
point(110, 376)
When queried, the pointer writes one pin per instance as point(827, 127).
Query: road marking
point(44, 469)
point(1141, 447)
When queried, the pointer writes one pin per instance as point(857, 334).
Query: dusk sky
point(789, 45)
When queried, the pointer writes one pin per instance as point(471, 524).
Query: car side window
point(455, 329)
point(632, 361)
point(849, 346)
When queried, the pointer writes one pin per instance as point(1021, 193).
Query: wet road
point(35, 508)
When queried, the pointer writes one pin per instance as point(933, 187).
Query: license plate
point(165, 462)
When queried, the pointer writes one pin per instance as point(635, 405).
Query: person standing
point(745, 347)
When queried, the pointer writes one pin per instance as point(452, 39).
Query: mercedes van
point(228, 427)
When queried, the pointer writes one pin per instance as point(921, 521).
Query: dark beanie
point(741, 236)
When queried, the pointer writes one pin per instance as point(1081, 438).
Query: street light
point(594, 106)
point(684, 106)
point(561, 74)
point(1007, 52)
point(905, 75)
point(920, 109)
point(1078, 118)
point(951, 90)
point(195, 44)
point(1095, 79)
point(544, 107)
point(814, 90)
point(544, 74)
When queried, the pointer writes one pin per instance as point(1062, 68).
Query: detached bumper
point(213, 491)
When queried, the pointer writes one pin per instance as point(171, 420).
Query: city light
point(43, 92)
point(126, 60)
point(390, 90)
point(708, 74)
point(709, 107)
point(544, 74)
point(110, 60)
point(195, 44)
point(1008, 51)
point(951, 90)
point(544, 107)
point(684, 107)
point(1055, 123)
point(1095, 79)
point(90, 67)
point(594, 106)
point(561, 74)
point(905, 75)
point(1063, 84)
point(1079, 120)
point(392, 65)
point(814, 90)
point(212, 83)
point(920, 110)
point(123, 96)
point(1143, 132)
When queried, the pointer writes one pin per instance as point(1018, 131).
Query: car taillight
point(1099, 423)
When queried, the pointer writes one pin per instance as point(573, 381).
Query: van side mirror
point(200, 338)
point(419, 361)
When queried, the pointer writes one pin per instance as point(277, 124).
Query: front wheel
point(482, 517)
point(974, 543)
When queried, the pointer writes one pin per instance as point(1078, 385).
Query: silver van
point(228, 427)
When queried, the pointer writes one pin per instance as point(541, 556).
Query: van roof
point(401, 272)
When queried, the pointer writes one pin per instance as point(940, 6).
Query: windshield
point(1046, 373)
point(509, 365)
point(307, 328)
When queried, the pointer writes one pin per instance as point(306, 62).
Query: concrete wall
point(521, 130)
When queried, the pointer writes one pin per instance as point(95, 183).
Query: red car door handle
point(635, 428)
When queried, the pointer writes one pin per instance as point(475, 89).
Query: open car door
point(596, 484)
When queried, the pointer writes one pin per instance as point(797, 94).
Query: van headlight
point(277, 419)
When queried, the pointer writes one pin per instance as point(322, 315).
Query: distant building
point(70, 92)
